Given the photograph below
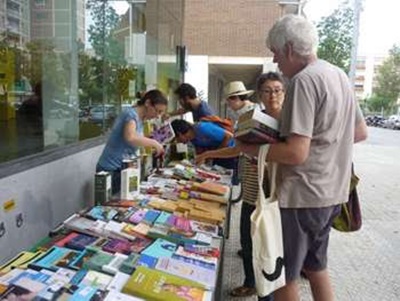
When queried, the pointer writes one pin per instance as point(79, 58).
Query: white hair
point(297, 31)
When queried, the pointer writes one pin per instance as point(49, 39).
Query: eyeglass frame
point(276, 91)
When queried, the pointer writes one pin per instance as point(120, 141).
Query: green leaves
point(335, 37)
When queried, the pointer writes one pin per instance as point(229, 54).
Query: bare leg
point(289, 292)
point(320, 285)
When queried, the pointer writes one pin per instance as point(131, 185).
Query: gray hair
point(298, 31)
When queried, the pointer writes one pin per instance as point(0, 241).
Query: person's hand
point(158, 148)
point(249, 149)
point(165, 117)
point(180, 111)
point(200, 159)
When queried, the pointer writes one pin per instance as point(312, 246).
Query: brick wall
point(229, 27)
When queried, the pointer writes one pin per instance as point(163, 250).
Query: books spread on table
point(257, 127)
point(163, 244)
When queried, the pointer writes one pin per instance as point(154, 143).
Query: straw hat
point(236, 88)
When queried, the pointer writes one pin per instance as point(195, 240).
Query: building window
point(40, 3)
point(61, 85)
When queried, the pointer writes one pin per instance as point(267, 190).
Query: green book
point(156, 285)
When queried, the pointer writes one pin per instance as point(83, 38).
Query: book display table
point(164, 244)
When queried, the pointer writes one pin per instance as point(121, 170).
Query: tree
point(335, 37)
point(388, 78)
point(109, 52)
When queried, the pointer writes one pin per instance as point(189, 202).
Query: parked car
point(99, 113)
point(393, 122)
point(375, 120)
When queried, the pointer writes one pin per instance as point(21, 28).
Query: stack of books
point(256, 127)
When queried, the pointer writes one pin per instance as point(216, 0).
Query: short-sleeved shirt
point(209, 135)
point(319, 104)
point(203, 110)
point(117, 148)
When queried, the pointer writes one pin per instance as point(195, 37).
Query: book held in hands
point(256, 127)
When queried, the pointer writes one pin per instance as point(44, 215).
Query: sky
point(379, 22)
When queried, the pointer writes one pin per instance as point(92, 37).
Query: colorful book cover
point(67, 260)
point(102, 213)
point(160, 248)
point(189, 271)
point(150, 216)
point(203, 258)
point(156, 285)
point(130, 183)
point(164, 134)
point(80, 241)
point(255, 136)
point(63, 241)
point(140, 243)
point(147, 261)
point(83, 293)
point(22, 261)
point(49, 259)
point(115, 245)
point(202, 250)
point(97, 262)
point(205, 228)
point(15, 292)
point(138, 216)
point(85, 255)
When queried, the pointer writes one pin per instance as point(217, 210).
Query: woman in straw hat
point(270, 89)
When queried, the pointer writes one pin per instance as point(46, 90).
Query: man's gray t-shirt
point(319, 104)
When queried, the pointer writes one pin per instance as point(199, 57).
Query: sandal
point(243, 291)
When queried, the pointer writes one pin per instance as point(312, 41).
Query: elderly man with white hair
point(319, 122)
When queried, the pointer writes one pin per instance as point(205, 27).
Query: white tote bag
point(266, 234)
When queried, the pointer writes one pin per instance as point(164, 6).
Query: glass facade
point(68, 67)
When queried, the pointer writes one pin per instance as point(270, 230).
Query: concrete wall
point(44, 196)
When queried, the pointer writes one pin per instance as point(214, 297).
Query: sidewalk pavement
point(364, 265)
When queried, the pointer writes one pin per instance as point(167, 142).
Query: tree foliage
point(335, 37)
point(388, 79)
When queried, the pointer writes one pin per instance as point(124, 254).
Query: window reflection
point(68, 67)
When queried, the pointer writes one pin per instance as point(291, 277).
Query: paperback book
point(157, 285)
point(189, 271)
point(130, 183)
point(164, 134)
point(257, 127)
point(160, 248)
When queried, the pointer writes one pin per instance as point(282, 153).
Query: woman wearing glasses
point(270, 89)
point(127, 135)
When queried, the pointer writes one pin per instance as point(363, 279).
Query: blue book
point(80, 242)
point(102, 213)
point(147, 261)
point(151, 216)
point(83, 293)
point(49, 259)
point(162, 218)
point(160, 248)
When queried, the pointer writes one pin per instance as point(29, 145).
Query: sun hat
point(236, 88)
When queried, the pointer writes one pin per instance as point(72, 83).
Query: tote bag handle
point(262, 155)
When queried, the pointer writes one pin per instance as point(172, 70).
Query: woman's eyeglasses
point(274, 91)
